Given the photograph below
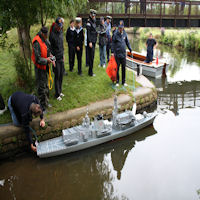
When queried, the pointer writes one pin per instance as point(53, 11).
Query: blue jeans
point(14, 117)
point(102, 51)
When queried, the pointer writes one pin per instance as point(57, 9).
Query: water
point(158, 162)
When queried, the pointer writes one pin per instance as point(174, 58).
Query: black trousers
point(79, 58)
point(71, 53)
point(42, 87)
point(91, 52)
point(59, 71)
point(2, 104)
point(121, 61)
point(86, 57)
point(108, 47)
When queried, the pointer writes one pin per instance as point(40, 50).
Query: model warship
point(90, 134)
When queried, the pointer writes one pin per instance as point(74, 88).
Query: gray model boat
point(90, 134)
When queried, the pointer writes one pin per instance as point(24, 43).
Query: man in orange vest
point(41, 57)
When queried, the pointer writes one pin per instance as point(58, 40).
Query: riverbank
point(188, 39)
point(13, 139)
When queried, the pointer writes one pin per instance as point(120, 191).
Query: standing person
point(56, 40)
point(119, 43)
point(86, 50)
point(102, 43)
point(91, 40)
point(150, 44)
point(78, 40)
point(41, 57)
point(22, 109)
point(108, 34)
point(70, 40)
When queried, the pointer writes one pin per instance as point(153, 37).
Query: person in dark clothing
point(2, 105)
point(119, 43)
point(41, 57)
point(78, 40)
point(151, 44)
point(86, 50)
point(57, 49)
point(108, 35)
point(102, 43)
point(71, 47)
point(22, 108)
point(91, 39)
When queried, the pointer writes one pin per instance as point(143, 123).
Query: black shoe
point(71, 70)
point(80, 74)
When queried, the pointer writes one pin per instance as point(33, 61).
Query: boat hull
point(56, 146)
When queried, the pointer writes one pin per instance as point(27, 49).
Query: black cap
point(44, 30)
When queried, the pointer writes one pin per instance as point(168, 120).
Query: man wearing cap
point(78, 40)
point(91, 39)
point(102, 43)
point(57, 49)
point(41, 57)
point(119, 43)
point(108, 35)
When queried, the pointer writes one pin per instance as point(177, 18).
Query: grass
point(79, 90)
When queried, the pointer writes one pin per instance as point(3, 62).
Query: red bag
point(112, 69)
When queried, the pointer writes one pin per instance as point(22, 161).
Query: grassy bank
point(188, 39)
point(79, 90)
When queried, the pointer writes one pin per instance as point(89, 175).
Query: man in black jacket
point(22, 107)
point(119, 43)
point(91, 39)
point(70, 40)
point(57, 49)
point(78, 40)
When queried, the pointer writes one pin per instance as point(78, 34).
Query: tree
point(22, 14)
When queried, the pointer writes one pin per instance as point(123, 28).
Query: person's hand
point(42, 123)
point(34, 149)
point(49, 60)
point(90, 44)
point(78, 48)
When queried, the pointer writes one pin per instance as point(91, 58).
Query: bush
point(23, 71)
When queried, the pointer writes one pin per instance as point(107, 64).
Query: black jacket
point(79, 38)
point(102, 35)
point(119, 43)
point(21, 105)
point(91, 31)
point(70, 36)
point(56, 40)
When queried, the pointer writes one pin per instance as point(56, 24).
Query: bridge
point(148, 13)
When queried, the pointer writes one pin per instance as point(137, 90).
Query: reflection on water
point(83, 175)
point(161, 163)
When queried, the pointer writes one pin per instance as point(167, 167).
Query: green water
point(160, 162)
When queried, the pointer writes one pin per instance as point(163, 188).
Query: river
point(160, 162)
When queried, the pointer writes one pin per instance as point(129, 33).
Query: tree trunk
point(24, 43)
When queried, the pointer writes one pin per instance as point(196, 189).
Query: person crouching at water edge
point(22, 109)
point(78, 40)
point(150, 44)
point(57, 48)
point(119, 43)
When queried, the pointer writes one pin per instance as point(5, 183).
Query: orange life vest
point(43, 49)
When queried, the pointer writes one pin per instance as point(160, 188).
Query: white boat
point(90, 134)
point(136, 61)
